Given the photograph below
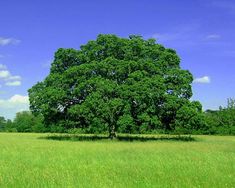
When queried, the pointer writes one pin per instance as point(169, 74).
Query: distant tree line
point(23, 122)
point(221, 121)
point(214, 122)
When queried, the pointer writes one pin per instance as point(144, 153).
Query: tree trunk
point(112, 133)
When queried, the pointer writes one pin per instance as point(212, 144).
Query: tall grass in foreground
point(26, 161)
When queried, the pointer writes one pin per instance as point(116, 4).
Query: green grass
point(26, 161)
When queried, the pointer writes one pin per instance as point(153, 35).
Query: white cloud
point(9, 107)
point(14, 83)
point(213, 37)
point(19, 99)
point(202, 80)
point(4, 74)
point(7, 41)
point(7, 78)
point(14, 101)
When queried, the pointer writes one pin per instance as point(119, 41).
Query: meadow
point(27, 160)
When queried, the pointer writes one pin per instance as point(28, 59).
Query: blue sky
point(201, 31)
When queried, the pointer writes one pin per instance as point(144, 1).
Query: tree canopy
point(114, 84)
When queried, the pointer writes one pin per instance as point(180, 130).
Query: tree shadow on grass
point(129, 138)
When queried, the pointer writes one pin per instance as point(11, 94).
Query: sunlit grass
point(26, 161)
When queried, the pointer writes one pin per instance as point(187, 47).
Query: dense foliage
point(114, 85)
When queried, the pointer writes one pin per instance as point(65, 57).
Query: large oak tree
point(116, 84)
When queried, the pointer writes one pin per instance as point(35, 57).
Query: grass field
point(26, 161)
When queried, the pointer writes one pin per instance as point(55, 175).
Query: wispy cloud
point(213, 37)
point(173, 39)
point(7, 78)
point(182, 34)
point(202, 80)
point(229, 6)
point(14, 78)
point(8, 41)
point(166, 36)
point(47, 64)
point(230, 53)
point(186, 36)
point(13, 83)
